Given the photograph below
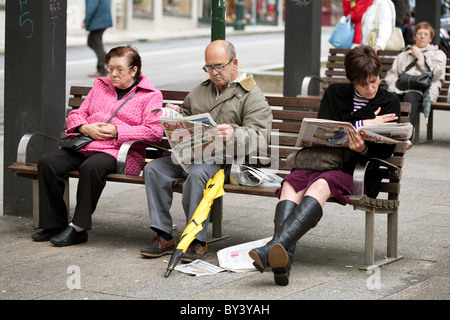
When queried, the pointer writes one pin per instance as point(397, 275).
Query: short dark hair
point(361, 63)
point(131, 53)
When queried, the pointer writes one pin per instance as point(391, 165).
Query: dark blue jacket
point(98, 15)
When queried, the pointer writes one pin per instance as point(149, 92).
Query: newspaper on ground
point(192, 139)
point(323, 132)
point(255, 177)
point(199, 268)
point(236, 258)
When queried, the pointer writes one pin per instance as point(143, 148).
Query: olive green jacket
point(242, 105)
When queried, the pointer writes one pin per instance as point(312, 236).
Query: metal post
point(302, 44)
point(218, 20)
point(239, 23)
point(429, 11)
point(35, 99)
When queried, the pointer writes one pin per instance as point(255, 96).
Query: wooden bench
point(288, 113)
point(335, 73)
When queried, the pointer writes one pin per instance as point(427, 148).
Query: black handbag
point(76, 142)
point(408, 82)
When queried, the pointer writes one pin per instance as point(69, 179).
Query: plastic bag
point(343, 34)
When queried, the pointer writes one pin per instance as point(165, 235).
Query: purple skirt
point(340, 183)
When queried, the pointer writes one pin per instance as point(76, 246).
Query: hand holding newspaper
point(323, 132)
point(192, 138)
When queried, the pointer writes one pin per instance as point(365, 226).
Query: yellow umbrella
point(213, 190)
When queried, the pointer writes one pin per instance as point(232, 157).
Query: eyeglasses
point(119, 70)
point(218, 68)
point(425, 34)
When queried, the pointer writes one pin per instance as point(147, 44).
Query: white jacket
point(386, 19)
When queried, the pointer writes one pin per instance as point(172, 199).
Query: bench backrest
point(288, 114)
point(335, 71)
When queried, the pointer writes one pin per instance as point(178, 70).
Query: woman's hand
point(99, 130)
point(417, 53)
point(173, 106)
point(355, 141)
point(389, 117)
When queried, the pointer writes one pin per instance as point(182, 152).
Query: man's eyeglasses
point(218, 68)
point(119, 70)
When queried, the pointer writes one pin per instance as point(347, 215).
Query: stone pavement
point(325, 266)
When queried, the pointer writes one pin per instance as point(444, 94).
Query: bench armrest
point(305, 84)
point(122, 156)
point(25, 141)
point(360, 172)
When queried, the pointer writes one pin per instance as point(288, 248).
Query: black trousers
point(95, 42)
point(416, 102)
point(53, 170)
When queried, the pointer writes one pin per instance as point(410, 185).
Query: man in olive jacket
point(244, 120)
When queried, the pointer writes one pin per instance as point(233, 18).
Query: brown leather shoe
point(194, 252)
point(159, 247)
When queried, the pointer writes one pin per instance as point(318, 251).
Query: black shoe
point(46, 234)
point(69, 237)
point(259, 255)
point(280, 261)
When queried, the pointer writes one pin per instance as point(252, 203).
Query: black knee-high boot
point(259, 255)
point(305, 217)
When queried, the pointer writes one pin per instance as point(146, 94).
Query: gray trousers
point(160, 175)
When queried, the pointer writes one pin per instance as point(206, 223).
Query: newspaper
point(199, 268)
point(236, 258)
point(254, 177)
point(192, 138)
point(323, 132)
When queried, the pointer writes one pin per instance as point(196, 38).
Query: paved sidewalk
point(325, 266)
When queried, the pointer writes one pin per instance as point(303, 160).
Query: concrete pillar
point(302, 44)
point(35, 100)
point(429, 11)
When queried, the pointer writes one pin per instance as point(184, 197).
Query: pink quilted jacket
point(133, 121)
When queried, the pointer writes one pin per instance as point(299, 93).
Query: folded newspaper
point(199, 268)
point(323, 132)
point(236, 258)
point(250, 176)
point(192, 139)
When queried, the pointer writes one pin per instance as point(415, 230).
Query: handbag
point(76, 142)
point(343, 34)
point(396, 42)
point(319, 158)
point(409, 82)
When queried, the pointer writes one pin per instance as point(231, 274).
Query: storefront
point(255, 11)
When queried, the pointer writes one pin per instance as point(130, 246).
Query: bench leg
point(370, 235)
point(430, 126)
point(392, 227)
point(216, 216)
point(392, 234)
point(35, 189)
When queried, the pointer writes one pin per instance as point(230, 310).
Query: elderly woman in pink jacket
point(94, 161)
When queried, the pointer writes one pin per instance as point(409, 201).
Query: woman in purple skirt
point(303, 193)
